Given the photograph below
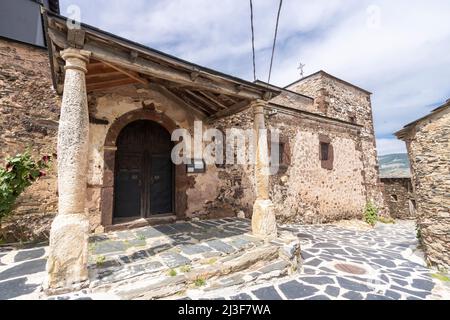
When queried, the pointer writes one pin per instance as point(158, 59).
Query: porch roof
point(116, 61)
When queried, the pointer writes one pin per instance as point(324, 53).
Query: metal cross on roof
point(300, 67)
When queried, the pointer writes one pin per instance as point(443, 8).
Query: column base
point(264, 223)
point(68, 255)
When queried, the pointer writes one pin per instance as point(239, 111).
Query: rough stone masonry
point(428, 144)
point(315, 111)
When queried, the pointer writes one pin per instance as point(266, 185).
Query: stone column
point(263, 218)
point(67, 261)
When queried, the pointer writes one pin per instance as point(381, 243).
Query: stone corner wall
point(399, 197)
point(341, 101)
point(29, 111)
point(429, 154)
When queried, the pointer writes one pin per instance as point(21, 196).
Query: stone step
point(255, 265)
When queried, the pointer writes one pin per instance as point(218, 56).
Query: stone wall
point(340, 100)
point(303, 190)
point(428, 147)
point(399, 196)
point(29, 110)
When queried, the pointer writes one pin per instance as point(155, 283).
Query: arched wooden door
point(144, 173)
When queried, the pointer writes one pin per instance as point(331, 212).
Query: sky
point(399, 50)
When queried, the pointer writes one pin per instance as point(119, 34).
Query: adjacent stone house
point(121, 104)
point(399, 197)
point(427, 140)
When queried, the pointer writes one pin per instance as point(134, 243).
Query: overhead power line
point(275, 40)
point(253, 40)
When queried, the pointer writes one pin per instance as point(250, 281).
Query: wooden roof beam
point(213, 99)
point(122, 59)
point(238, 107)
point(203, 100)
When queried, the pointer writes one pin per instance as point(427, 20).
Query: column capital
point(76, 59)
point(258, 106)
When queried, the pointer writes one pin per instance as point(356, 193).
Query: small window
point(281, 153)
point(394, 197)
point(324, 151)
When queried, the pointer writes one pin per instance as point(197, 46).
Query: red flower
point(42, 174)
point(46, 159)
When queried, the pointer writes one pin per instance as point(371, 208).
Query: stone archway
point(110, 148)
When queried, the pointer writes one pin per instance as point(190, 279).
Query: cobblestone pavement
point(339, 263)
point(380, 264)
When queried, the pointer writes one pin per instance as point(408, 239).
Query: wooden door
point(144, 171)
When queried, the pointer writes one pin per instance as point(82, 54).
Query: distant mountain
point(394, 166)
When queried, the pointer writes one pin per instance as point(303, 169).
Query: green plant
point(141, 237)
point(200, 282)
point(370, 213)
point(100, 260)
point(19, 173)
point(418, 233)
point(441, 277)
point(383, 219)
point(172, 272)
point(185, 269)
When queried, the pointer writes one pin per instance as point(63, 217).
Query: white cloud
point(396, 49)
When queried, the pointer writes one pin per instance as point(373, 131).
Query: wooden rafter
point(131, 74)
point(212, 99)
point(110, 84)
point(238, 107)
point(202, 100)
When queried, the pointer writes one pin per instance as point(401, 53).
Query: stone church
point(108, 107)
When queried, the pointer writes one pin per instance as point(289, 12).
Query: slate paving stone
point(242, 296)
point(384, 262)
point(166, 230)
point(277, 266)
point(148, 233)
point(336, 252)
point(29, 255)
point(352, 285)
point(296, 290)
point(125, 235)
point(371, 296)
point(157, 249)
point(267, 293)
point(353, 295)
point(423, 284)
point(402, 274)
point(325, 245)
point(109, 246)
point(185, 227)
point(194, 249)
point(232, 281)
point(393, 295)
point(174, 260)
point(332, 291)
point(319, 297)
point(399, 281)
point(24, 268)
point(239, 243)
point(420, 294)
point(136, 243)
point(15, 288)
point(220, 246)
point(317, 280)
point(139, 255)
point(315, 262)
point(305, 255)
